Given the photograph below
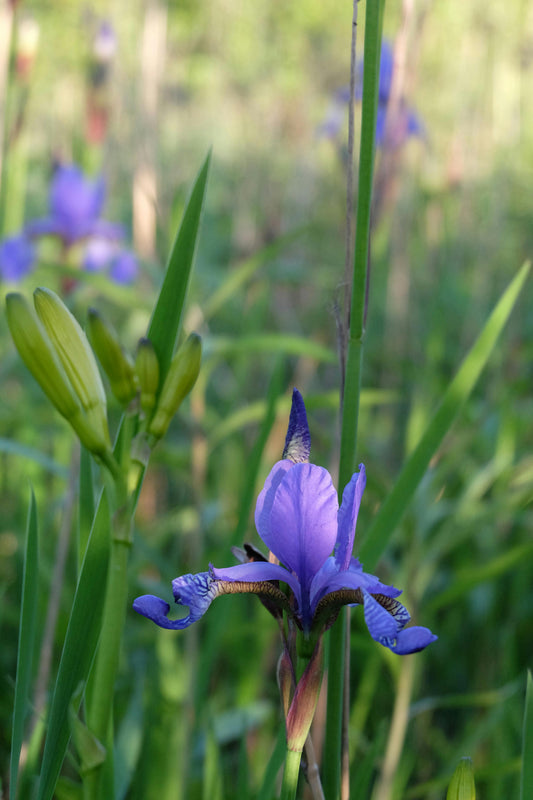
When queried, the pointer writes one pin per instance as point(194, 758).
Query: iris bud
point(303, 705)
point(40, 357)
point(180, 379)
point(115, 362)
point(77, 358)
point(285, 676)
point(462, 786)
point(147, 369)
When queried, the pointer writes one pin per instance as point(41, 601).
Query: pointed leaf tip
point(298, 440)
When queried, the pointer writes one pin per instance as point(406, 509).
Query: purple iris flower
point(104, 255)
point(17, 256)
point(298, 518)
point(406, 122)
point(124, 267)
point(75, 205)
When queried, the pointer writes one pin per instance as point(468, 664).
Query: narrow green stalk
point(99, 712)
point(352, 378)
point(290, 775)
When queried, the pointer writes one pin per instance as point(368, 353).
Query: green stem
point(99, 711)
point(290, 775)
point(352, 382)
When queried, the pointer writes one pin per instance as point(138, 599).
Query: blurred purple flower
point(405, 124)
point(98, 254)
point(105, 42)
point(124, 268)
point(75, 205)
point(17, 256)
point(104, 255)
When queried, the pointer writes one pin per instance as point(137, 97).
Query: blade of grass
point(32, 453)
point(26, 643)
point(352, 377)
point(166, 319)
point(254, 461)
point(86, 503)
point(78, 649)
point(224, 346)
point(469, 578)
point(392, 510)
point(238, 277)
point(268, 790)
point(526, 778)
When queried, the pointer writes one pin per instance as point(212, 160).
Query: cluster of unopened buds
point(61, 358)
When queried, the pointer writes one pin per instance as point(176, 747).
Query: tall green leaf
point(26, 643)
point(333, 755)
point(526, 778)
point(458, 391)
point(86, 503)
point(79, 647)
point(166, 319)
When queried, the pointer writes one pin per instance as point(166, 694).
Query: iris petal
point(411, 640)
point(379, 622)
point(303, 521)
point(266, 498)
point(195, 591)
point(332, 581)
point(257, 571)
point(347, 517)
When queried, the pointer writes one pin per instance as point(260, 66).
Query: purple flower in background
point(405, 123)
point(298, 518)
point(124, 267)
point(105, 42)
point(75, 206)
point(17, 256)
point(104, 255)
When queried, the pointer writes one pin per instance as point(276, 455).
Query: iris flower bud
point(462, 786)
point(181, 377)
point(115, 362)
point(77, 358)
point(41, 358)
point(147, 369)
point(302, 708)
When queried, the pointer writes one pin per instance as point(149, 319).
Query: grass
point(197, 713)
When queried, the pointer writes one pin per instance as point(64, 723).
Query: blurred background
point(138, 92)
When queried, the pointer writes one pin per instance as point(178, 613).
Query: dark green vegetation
point(198, 712)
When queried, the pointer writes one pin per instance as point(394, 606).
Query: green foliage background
point(255, 80)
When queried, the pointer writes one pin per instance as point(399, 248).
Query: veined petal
point(195, 591)
point(256, 571)
point(298, 440)
point(347, 517)
point(381, 625)
point(266, 498)
point(303, 522)
point(329, 579)
point(411, 640)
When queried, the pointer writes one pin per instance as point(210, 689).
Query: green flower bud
point(286, 681)
point(115, 362)
point(181, 377)
point(40, 357)
point(303, 705)
point(77, 358)
point(147, 369)
point(462, 786)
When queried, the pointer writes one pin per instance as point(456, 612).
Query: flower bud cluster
point(58, 354)
point(56, 351)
